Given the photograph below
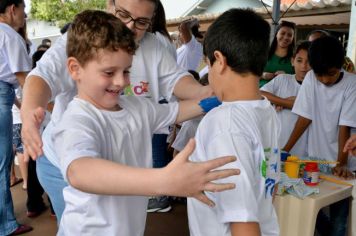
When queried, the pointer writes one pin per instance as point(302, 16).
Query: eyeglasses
point(139, 23)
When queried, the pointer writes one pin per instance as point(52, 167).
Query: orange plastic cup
point(291, 167)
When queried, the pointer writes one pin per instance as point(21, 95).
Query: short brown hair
point(93, 30)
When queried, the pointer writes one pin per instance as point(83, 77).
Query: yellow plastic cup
point(291, 167)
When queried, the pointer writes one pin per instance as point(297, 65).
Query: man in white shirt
point(14, 65)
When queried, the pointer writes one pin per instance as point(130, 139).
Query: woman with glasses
point(154, 74)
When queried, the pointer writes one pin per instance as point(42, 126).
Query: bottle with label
point(311, 174)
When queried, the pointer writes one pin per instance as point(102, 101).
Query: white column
point(351, 46)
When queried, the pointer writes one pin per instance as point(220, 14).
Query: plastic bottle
point(311, 174)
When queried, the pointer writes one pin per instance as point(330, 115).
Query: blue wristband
point(209, 103)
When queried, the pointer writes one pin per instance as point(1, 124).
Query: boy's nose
point(121, 81)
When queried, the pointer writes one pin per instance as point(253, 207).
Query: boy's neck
point(239, 87)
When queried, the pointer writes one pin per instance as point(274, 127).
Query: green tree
point(62, 11)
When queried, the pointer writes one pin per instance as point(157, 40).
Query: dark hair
point(324, 54)
point(322, 33)
point(5, 3)
point(194, 74)
point(159, 21)
point(301, 45)
point(204, 80)
point(93, 30)
point(273, 48)
point(23, 32)
point(46, 40)
point(234, 34)
point(65, 28)
point(42, 47)
point(36, 57)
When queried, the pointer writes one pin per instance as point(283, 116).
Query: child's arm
point(245, 228)
point(180, 178)
point(284, 102)
point(300, 126)
point(341, 169)
point(350, 145)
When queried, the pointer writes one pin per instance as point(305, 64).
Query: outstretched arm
point(284, 102)
point(36, 95)
point(180, 178)
point(300, 126)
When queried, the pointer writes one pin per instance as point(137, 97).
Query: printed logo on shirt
point(270, 169)
point(141, 89)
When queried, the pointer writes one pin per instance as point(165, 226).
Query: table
point(298, 216)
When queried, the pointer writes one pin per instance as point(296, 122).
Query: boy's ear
point(74, 67)
point(220, 60)
point(292, 61)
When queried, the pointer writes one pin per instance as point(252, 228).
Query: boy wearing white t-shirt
point(245, 125)
point(103, 141)
point(326, 106)
point(282, 91)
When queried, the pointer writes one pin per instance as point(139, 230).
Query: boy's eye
point(109, 73)
point(126, 72)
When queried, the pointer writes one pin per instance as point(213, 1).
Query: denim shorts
point(16, 137)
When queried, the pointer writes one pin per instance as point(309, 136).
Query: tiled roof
point(299, 8)
point(310, 4)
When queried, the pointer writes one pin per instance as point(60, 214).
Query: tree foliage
point(62, 11)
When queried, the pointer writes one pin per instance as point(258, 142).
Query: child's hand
point(279, 72)
point(30, 133)
point(267, 75)
point(343, 172)
point(350, 145)
point(191, 179)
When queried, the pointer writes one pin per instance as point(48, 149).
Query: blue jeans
point(8, 222)
point(336, 223)
point(159, 150)
point(53, 183)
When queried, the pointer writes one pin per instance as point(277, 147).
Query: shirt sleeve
point(18, 58)
point(270, 86)
point(303, 103)
point(239, 204)
point(169, 72)
point(348, 110)
point(160, 115)
point(52, 67)
point(73, 138)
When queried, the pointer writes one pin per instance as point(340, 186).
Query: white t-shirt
point(248, 130)
point(123, 137)
point(154, 74)
point(285, 86)
point(189, 55)
point(327, 107)
point(13, 55)
point(167, 43)
point(186, 132)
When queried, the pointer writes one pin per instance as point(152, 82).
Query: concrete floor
point(173, 223)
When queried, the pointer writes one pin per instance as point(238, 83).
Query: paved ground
point(173, 223)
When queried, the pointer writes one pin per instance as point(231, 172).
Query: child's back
point(249, 130)
point(245, 125)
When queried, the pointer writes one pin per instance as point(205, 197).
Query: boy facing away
point(104, 141)
point(245, 125)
